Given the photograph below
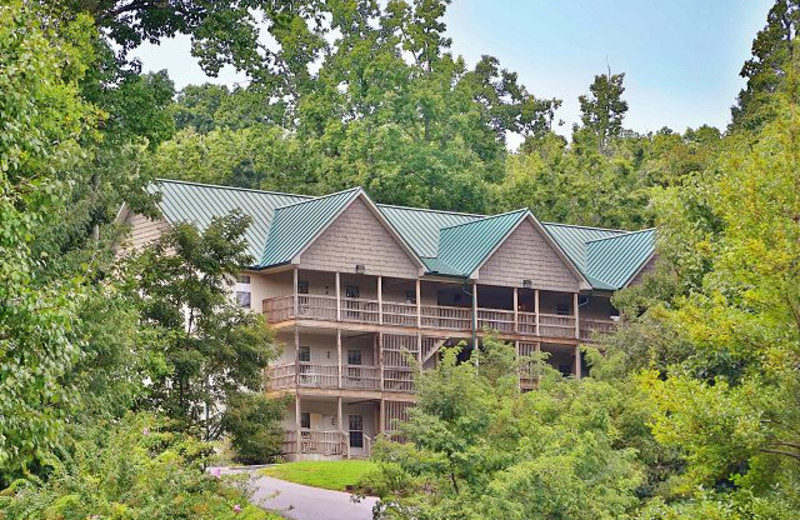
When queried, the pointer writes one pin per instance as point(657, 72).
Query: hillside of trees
point(111, 406)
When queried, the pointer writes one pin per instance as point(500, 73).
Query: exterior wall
point(321, 413)
point(526, 255)
point(598, 308)
point(323, 348)
point(357, 237)
point(648, 268)
point(144, 230)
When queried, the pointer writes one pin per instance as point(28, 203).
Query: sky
point(681, 58)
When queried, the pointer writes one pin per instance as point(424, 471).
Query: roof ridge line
point(615, 230)
point(488, 217)
point(621, 235)
point(235, 188)
point(321, 197)
point(431, 210)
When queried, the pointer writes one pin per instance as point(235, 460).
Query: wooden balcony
point(433, 317)
point(328, 443)
point(289, 376)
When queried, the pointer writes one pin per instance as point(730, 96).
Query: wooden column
point(339, 355)
point(577, 316)
point(419, 303)
point(536, 308)
point(295, 298)
point(382, 416)
point(380, 360)
point(380, 300)
point(516, 312)
point(338, 297)
point(297, 422)
point(577, 361)
point(296, 356)
point(339, 423)
point(419, 349)
point(475, 320)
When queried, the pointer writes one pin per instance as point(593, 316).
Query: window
point(411, 296)
point(354, 357)
point(302, 287)
point(304, 355)
point(305, 420)
point(243, 299)
point(562, 309)
point(243, 291)
point(351, 291)
point(356, 431)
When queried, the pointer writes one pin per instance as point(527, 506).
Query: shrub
point(132, 469)
point(253, 422)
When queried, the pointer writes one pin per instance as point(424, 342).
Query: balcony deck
point(367, 312)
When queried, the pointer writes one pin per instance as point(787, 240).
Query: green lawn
point(336, 475)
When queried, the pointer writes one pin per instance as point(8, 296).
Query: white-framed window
point(243, 292)
point(304, 354)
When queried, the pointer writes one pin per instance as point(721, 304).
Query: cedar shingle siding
point(526, 255)
point(143, 230)
point(357, 237)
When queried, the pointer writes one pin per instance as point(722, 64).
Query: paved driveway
point(300, 502)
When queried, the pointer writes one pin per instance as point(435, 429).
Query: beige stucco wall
point(526, 255)
point(357, 237)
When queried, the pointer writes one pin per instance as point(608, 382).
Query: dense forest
point(111, 404)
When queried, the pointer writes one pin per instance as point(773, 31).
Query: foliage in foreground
point(134, 469)
point(339, 475)
point(477, 448)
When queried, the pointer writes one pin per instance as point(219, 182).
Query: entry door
point(356, 431)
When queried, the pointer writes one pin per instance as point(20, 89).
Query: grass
point(338, 475)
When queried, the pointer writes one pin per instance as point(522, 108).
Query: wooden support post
point(419, 349)
point(380, 359)
point(419, 303)
point(339, 355)
point(296, 297)
point(339, 416)
point(516, 312)
point(519, 365)
point(380, 300)
point(578, 362)
point(475, 321)
point(296, 356)
point(575, 301)
point(536, 308)
point(338, 297)
point(383, 416)
point(297, 412)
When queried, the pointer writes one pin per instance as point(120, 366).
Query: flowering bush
point(131, 469)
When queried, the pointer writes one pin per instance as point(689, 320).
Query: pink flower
point(237, 508)
point(145, 431)
point(216, 472)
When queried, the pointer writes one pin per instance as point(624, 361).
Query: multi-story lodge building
point(360, 293)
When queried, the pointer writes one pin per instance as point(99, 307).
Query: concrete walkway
point(299, 502)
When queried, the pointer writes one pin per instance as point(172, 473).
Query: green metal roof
point(296, 225)
point(198, 204)
point(447, 243)
point(615, 260)
point(464, 247)
point(573, 239)
point(420, 227)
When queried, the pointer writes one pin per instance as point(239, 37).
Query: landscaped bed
point(339, 475)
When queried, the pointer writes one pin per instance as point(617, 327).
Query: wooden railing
point(591, 327)
point(318, 376)
point(359, 377)
point(403, 314)
point(446, 318)
point(439, 317)
point(357, 310)
point(398, 379)
point(281, 377)
point(556, 326)
point(500, 320)
point(329, 443)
